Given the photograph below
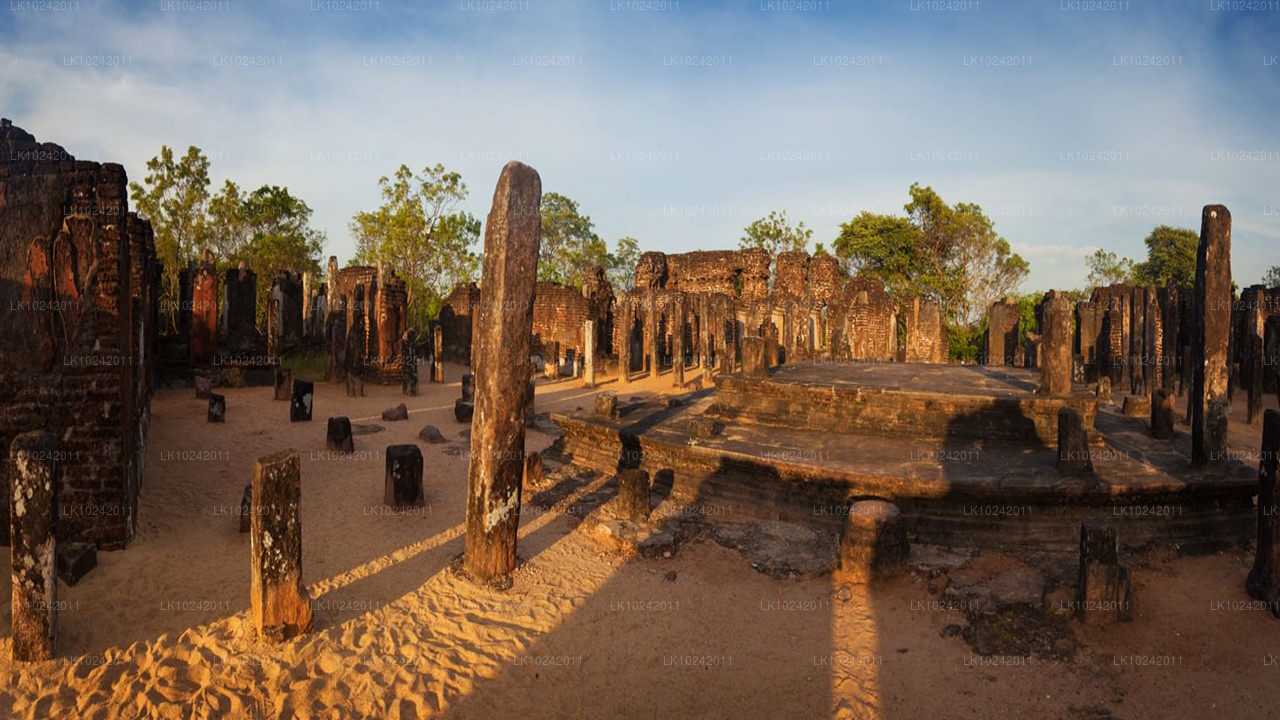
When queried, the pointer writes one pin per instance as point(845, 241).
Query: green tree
point(886, 247)
point(775, 234)
point(622, 263)
point(173, 196)
point(1171, 257)
point(570, 244)
point(1272, 278)
point(420, 232)
point(1107, 268)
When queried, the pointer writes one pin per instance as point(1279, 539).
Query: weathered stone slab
point(278, 600)
point(702, 428)
point(1103, 594)
point(755, 362)
point(874, 542)
point(217, 408)
point(1264, 579)
point(403, 486)
point(504, 326)
point(283, 382)
point(33, 478)
point(1210, 335)
point(300, 405)
point(1073, 444)
point(633, 495)
point(338, 435)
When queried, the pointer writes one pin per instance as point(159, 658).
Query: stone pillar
point(1152, 362)
point(1253, 352)
point(1168, 298)
point(1211, 329)
point(501, 361)
point(241, 306)
point(677, 340)
point(551, 361)
point(633, 495)
point(1055, 373)
point(409, 363)
point(1102, 588)
point(652, 341)
point(1162, 414)
point(300, 403)
point(1264, 579)
point(1073, 444)
point(589, 353)
point(403, 487)
point(1002, 333)
point(627, 319)
point(874, 541)
point(437, 353)
point(32, 479)
point(338, 436)
point(217, 408)
point(754, 357)
point(283, 382)
point(204, 313)
point(278, 599)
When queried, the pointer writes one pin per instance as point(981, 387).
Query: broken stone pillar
point(1210, 333)
point(1055, 373)
point(338, 437)
point(504, 329)
point(437, 354)
point(1136, 406)
point(1254, 327)
point(283, 383)
point(1002, 333)
point(633, 495)
point(300, 405)
point(468, 387)
point(607, 405)
point(463, 410)
point(653, 342)
point(1073, 443)
point(403, 486)
point(874, 541)
point(1104, 388)
point(204, 313)
point(1102, 588)
point(589, 353)
point(335, 368)
point(551, 363)
point(534, 472)
point(32, 478)
point(277, 598)
point(240, 308)
point(217, 408)
point(1264, 579)
point(755, 357)
point(1162, 414)
point(409, 364)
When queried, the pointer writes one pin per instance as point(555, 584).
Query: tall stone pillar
point(437, 354)
point(1264, 579)
point(204, 313)
point(278, 600)
point(626, 318)
point(1211, 329)
point(501, 361)
point(589, 353)
point(653, 341)
point(31, 525)
point(677, 340)
point(1055, 372)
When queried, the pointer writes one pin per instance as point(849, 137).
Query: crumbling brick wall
point(77, 313)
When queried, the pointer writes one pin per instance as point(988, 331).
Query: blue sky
point(1076, 125)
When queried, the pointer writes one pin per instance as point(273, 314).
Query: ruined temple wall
point(706, 271)
point(76, 293)
point(558, 313)
point(791, 276)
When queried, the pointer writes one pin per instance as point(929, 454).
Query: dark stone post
point(409, 364)
point(338, 437)
point(677, 340)
point(437, 353)
point(504, 329)
point(300, 405)
point(589, 353)
point(1162, 414)
point(283, 382)
point(653, 342)
point(1264, 579)
point(217, 408)
point(633, 495)
point(33, 477)
point(1102, 589)
point(1211, 329)
point(1056, 366)
point(403, 486)
point(1073, 443)
point(626, 318)
point(278, 599)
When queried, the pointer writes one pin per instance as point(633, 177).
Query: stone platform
point(938, 401)
point(955, 489)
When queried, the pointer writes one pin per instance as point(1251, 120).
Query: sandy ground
point(161, 629)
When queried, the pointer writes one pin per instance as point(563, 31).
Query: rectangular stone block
point(33, 581)
point(403, 485)
point(279, 604)
point(300, 405)
point(1211, 331)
